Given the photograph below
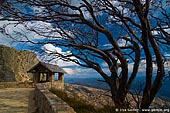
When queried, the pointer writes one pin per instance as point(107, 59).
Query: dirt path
point(17, 100)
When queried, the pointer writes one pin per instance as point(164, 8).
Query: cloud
point(165, 28)
point(122, 42)
point(49, 48)
point(47, 30)
point(76, 2)
point(107, 45)
point(72, 69)
point(50, 51)
point(69, 71)
point(82, 72)
point(12, 32)
point(3, 39)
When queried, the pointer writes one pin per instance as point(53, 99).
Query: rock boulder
point(14, 64)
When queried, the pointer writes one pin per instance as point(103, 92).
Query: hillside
point(14, 64)
point(100, 98)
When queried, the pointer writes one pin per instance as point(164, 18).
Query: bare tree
point(142, 25)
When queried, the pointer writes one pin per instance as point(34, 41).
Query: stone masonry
point(48, 102)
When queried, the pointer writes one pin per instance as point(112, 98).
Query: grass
point(80, 106)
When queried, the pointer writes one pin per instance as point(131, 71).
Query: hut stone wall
point(48, 102)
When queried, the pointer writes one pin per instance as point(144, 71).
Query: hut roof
point(50, 67)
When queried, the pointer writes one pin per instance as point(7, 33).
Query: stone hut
point(45, 73)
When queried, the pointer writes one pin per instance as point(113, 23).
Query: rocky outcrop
point(14, 64)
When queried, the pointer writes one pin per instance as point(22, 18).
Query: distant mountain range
point(93, 82)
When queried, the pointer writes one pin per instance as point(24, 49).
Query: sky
point(72, 69)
